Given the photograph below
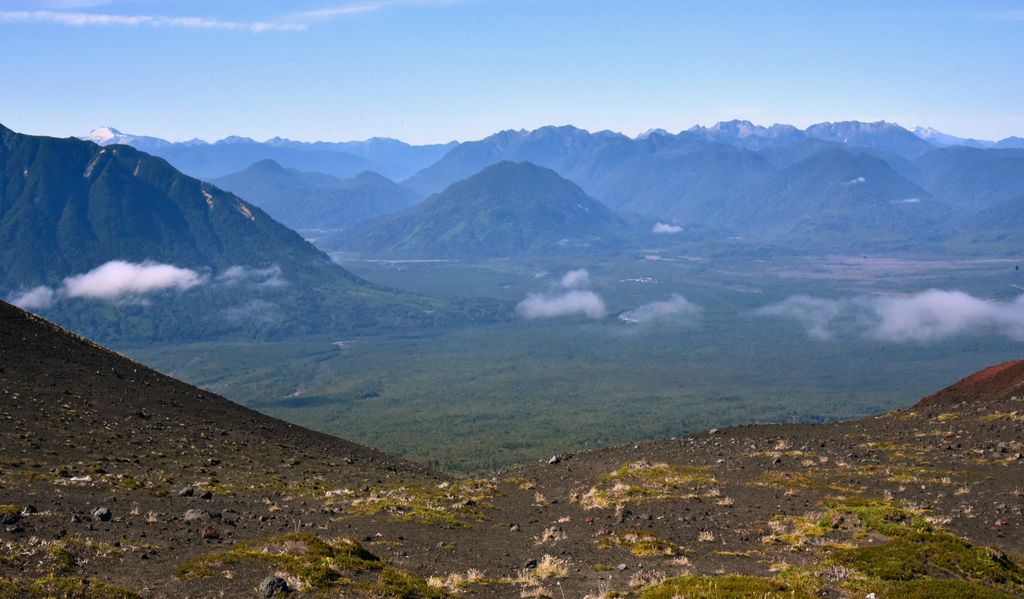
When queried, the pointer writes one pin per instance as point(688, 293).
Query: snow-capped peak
point(104, 135)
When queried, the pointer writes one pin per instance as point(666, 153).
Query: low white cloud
point(666, 229)
point(37, 298)
point(575, 279)
point(923, 317)
point(118, 280)
point(115, 281)
point(676, 308)
point(815, 314)
point(258, 277)
point(571, 303)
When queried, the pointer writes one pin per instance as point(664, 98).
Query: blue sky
point(428, 71)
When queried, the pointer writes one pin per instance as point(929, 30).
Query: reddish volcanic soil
point(1002, 381)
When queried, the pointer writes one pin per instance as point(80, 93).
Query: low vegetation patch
point(918, 557)
point(639, 482)
point(915, 550)
point(724, 587)
point(62, 586)
point(450, 505)
point(316, 564)
point(641, 544)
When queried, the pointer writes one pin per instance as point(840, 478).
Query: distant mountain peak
point(236, 139)
point(107, 136)
point(877, 135)
point(508, 208)
point(267, 164)
point(944, 139)
point(651, 132)
point(103, 135)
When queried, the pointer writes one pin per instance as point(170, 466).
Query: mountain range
point(121, 245)
point(833, 185)
point(205, 160)
point(314, 200)
point(507, 209)
point(918, 186)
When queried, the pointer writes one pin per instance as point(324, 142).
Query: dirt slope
point(118, 481)
point(995, 383)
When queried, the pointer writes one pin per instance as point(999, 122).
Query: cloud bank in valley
point(575, 279)
point(116, 281)
point(572, 302)
point(122, 282)
point(928, 316)
point(675, 309)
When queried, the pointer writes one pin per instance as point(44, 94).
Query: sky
point(437, 70)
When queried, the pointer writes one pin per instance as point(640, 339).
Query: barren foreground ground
point(116, 481)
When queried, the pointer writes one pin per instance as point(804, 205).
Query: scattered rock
point(621, 567)
point(187, 492)
point(211, 533)
point(530, 565)
point(195, 514)
point(206, 495)
point(273, 586)
point(102, 514)
point(554, 459)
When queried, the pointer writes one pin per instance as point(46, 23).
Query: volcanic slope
point(117, 481)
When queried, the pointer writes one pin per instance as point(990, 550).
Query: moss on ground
point(724, 587)
point(317, 564)
point(914, 560)
point(62, 587)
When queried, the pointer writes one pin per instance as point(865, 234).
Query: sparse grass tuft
point(63, 586)
point(641, 544)
point(452, 506)
point(316, 564)
point(639, 482)
point(723, 587)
